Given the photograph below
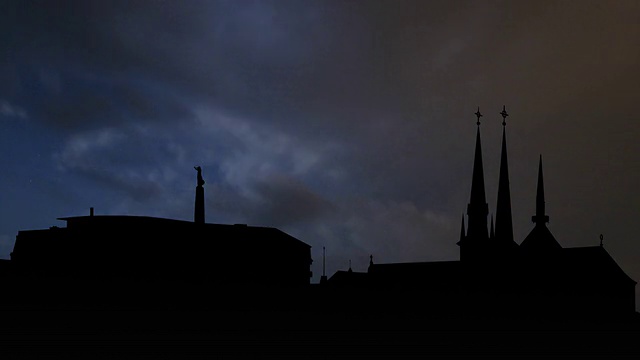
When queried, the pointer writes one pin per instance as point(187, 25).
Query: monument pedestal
point(198, 215)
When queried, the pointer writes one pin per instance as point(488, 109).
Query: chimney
point(91, 211)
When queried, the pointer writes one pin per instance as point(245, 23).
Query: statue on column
point(200, 179)
point(198, 214)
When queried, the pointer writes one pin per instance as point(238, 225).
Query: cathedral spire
point(540, 241)
point(477, 210)
point(540, 218)
point(504, 223)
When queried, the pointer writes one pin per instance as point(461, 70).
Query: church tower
point(504, 225)
point(540, 241)
point(475, 244)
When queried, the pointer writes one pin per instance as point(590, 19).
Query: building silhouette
point(538, 279)
point(149, 262)
point(125, 260)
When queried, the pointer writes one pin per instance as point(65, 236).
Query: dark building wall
point(140, 248)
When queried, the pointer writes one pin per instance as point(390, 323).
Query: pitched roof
point(540, 239)
point(592, 263)
point(348, 278)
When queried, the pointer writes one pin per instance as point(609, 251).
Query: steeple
point(540, 218)
point(504, 223)
point(477, 210)
point(540, 241)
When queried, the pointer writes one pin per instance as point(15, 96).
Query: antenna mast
point(323, 278)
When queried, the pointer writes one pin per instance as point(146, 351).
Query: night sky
point(348, 124)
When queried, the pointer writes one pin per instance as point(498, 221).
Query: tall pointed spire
point(477, 210)
point(540, 218)
point(504, 223)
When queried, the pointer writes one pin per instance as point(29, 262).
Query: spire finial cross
point(601, 238)
point(478, 115)
point(504, 115)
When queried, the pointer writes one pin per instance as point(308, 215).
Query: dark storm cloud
point(255, 166)
point(328, 62)
point(89, 105)
point(109, 158)
point(286, 201)
point(293, 64)
point(64, 62)
point(273, 59)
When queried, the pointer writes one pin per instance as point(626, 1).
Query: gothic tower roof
point(504, 223)
point(477, 210)
point(540, 238)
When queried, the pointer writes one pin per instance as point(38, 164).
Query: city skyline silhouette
point(562, 281)
point(128, 263)
point(348, 126)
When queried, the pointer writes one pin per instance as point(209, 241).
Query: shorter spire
point(540, 241)
point(540, 218)
point(350, 266)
